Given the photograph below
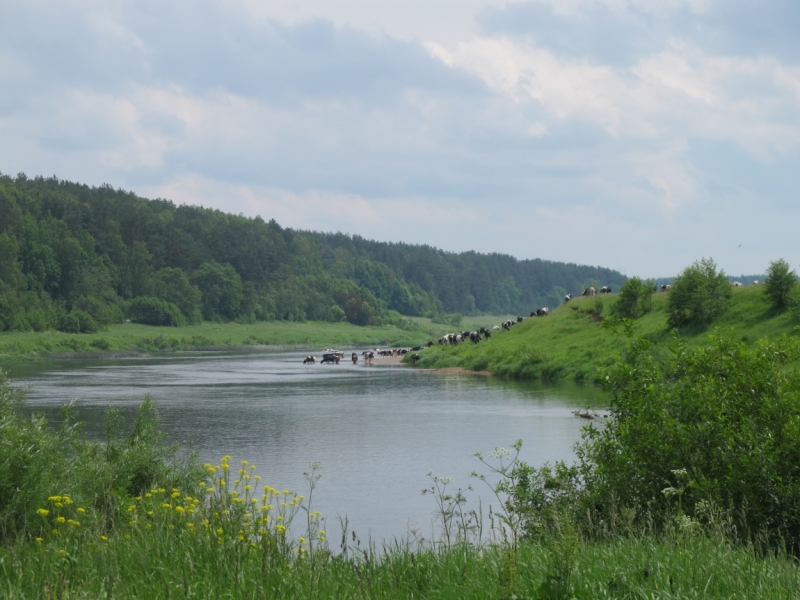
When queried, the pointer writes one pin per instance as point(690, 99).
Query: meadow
point(573, 343)
point(134, 337)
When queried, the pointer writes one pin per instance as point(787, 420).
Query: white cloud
point(419, 122)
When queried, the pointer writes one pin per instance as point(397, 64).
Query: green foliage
point(77, 321)
point(699, 295)
point(37, 461)
point(91, 249)
point(712, 427)
point(221, 289)
point(780, 283)
point(173, 286)
point(152, 311)
point(635, 299)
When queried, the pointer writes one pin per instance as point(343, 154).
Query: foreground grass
point(162, 563)
point(571, 343)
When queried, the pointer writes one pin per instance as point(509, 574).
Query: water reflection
point(376, 430)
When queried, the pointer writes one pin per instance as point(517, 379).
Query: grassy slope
point(571, 343)
point(411, 332)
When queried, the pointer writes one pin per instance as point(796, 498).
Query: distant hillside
point(76, 258)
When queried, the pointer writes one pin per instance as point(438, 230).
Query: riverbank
point(572, 343)
point(131, 339)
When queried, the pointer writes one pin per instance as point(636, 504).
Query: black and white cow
point(309, 360)
point(589, 291)
point(665, 287)
point(330, 358)
point(567, 298)
point(605, 289)
point(542, 312)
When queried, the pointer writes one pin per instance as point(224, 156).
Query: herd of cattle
point(332, 356)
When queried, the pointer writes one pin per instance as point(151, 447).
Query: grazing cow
point(737, 284)
point(474, 337)
point(589, 291)
point(605, 289)
point(415, 357)
point(487, 334)
point(567, 298)
point(416, 348)
point(506, 325)
point(330, 358)
point(756, 282)
point(533, 314)
point(665, 287)
point(519, 319)
point(309, 360)
point(430, 344)
point(496, 328)
point(542, 312)
point(354, 357)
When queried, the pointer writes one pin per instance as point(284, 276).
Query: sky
point(639, 135)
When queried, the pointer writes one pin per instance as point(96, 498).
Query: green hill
point(80, 259)
point(572, 343)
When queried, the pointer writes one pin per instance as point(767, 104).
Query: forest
point(78, 258)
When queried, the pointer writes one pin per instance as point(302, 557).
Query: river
point(376, 431)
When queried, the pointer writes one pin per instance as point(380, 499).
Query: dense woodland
point(76, 258)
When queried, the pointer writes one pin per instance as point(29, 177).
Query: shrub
point(716, 426)
point(699, 295)
point(634, 299)
point(37, 461)
point(152, 311)
point(77, 321)
point(780, 282)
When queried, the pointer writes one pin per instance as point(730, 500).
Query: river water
point(376, 431)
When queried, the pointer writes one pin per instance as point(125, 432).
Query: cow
point(330, 358)
point(542, 312)
point(737, 284)
point(309, 360)
point(354, 357)
point(756, 282)
point(589, 291)
point(605, 289)
point(487, 334)
point(665, 287)
point(430, 344)
point(567, 298)
point(519, 319)
point(415, 357)
point(368, 356)
point(474, 337)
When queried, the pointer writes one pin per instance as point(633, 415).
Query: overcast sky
point(634, 134)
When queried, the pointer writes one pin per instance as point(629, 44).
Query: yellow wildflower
point(39, 540)
point(43, 511)
point(80, 511)
point(61, 520)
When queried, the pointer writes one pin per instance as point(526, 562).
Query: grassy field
point(409, 331)
point(571, 343)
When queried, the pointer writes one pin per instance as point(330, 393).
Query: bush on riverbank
point(37, 461)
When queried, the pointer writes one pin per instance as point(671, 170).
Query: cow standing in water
point(354, 357)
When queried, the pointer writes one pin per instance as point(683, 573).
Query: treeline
point(76, 258)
